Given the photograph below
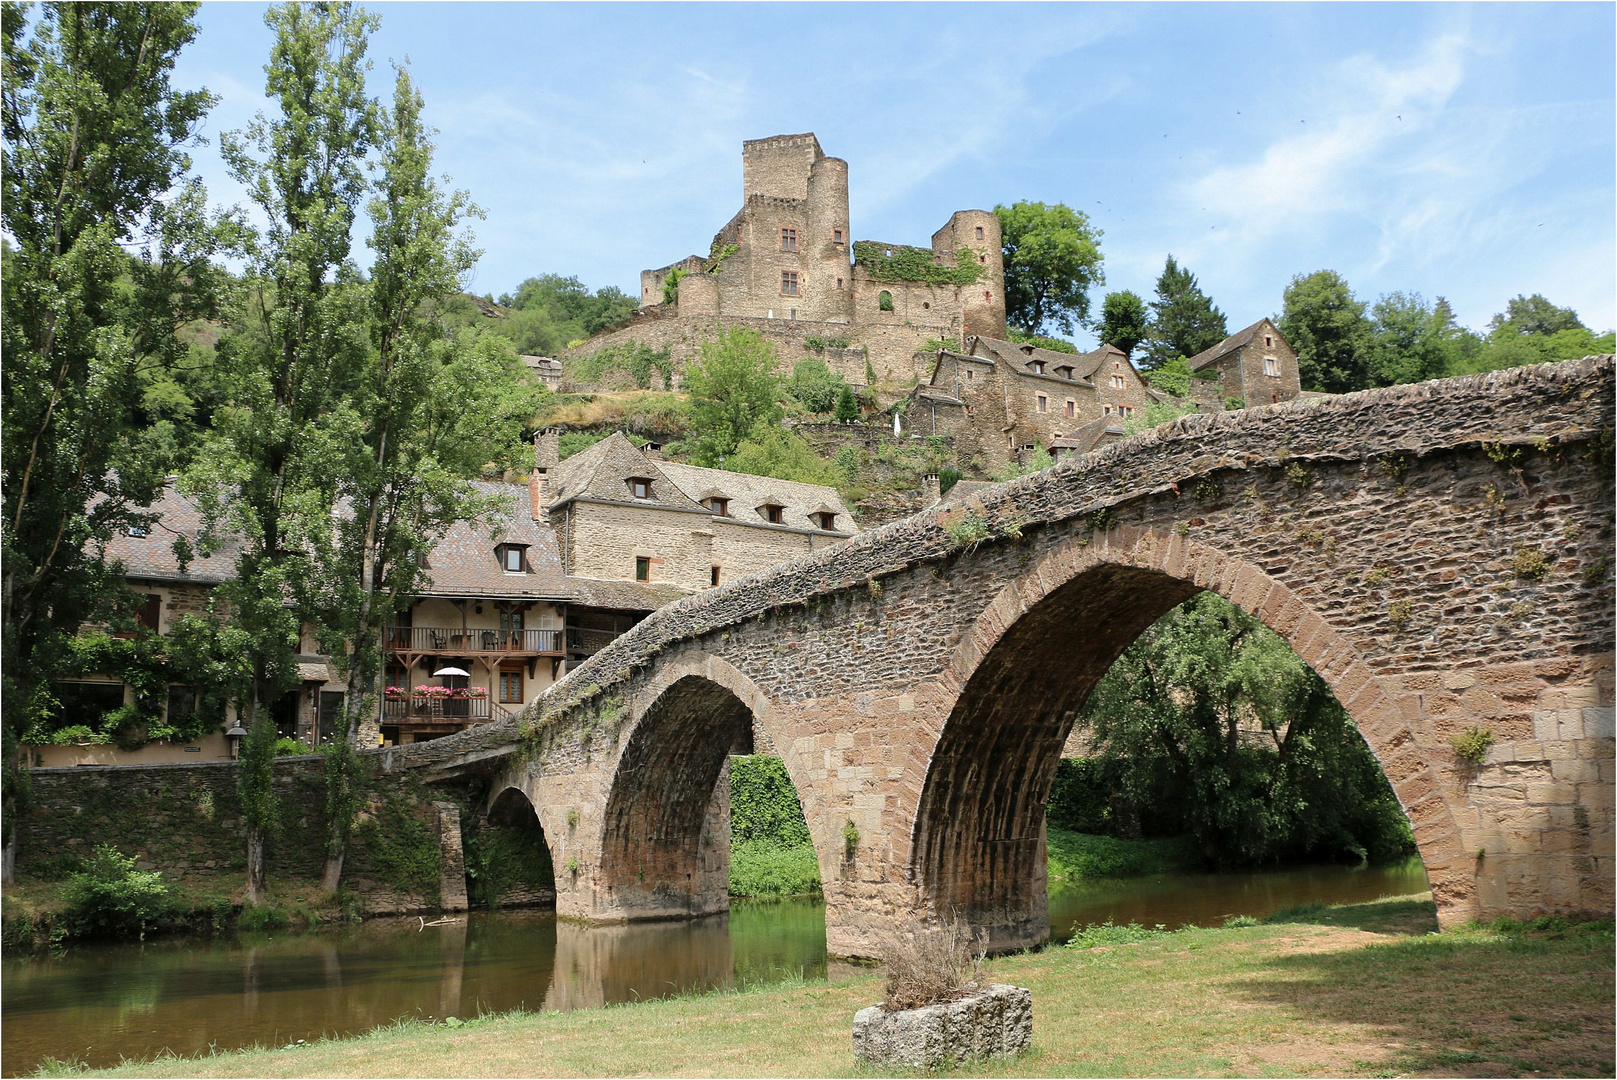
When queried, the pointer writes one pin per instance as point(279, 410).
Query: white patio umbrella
point(452, 671)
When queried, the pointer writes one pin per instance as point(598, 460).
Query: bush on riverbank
point(761, 868)
point(1075, 855)
point(110, 898)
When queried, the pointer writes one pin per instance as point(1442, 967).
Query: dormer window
point(774, 513)
point(640, 487)
point(139, 532)
point(720, 507)
point(826, 520)
point(1037, 366)
point(513, 558)
point(1065, 373)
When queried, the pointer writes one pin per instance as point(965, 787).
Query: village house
point(1256, 366)
point(1002, 402)
point(589, 548)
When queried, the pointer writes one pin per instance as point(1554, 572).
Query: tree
point(733, 389)
point(94, 133)
point(1327, 327)
point(1209, 725)
point(1408, 341)
point(297, 339)
point(1533, 315)
point(1184, 321)
point(1052, 258)
point(1124, 321)
point(426, 412)
point(814, 385)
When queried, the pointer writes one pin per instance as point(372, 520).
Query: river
point(100, 1003)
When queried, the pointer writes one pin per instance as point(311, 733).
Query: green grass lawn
point(1364, 990)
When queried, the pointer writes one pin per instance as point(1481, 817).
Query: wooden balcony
point(460, 641)
point(430, 709)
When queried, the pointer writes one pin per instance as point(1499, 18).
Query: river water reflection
point(100, 1003)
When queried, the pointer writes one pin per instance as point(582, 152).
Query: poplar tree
point(297, 337)
point(94, 163)
point(426, 412)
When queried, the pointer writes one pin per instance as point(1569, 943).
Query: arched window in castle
point(885, 300)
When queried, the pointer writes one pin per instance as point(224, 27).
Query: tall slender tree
point(427, 411)
point(1327, 326)
point(297, 338)
point(94, 136)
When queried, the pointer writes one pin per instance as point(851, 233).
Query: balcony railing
point(421, 708)
point(442, 639)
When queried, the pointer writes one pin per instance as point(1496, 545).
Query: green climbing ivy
point(895, 262)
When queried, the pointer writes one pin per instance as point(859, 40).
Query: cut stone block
point(996, 1022)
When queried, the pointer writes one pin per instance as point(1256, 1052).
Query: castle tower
point(982, 304)
point(778, 165)
point(827, 265)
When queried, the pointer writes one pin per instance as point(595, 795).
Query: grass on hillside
point(1362, 990)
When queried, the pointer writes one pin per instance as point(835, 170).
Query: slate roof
point(152, 556)
point(463, 563)
point(1229, 344)
point(602, 471)
point(1022, 357)
point(747, 492)
point(1086, 438)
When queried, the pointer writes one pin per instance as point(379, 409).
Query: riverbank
point(1362, 990)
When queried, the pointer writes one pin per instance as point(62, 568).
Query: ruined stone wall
point(891, 349)
point(983, 305)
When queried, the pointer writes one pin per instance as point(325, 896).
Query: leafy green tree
point(425, 412)
point(771, 450)
point(1408, 341)
point(1052, 259)
point(733, 390)
point(94, 136)
point(1327, 327)
point(1184, 321)
point(1533, 315)
point(1172, 377)
point(297, 343)
point(1209, 725)
point(1124, 321)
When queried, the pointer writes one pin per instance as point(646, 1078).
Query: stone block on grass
point(995, 1022)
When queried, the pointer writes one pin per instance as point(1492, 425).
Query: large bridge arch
point(1030, 662)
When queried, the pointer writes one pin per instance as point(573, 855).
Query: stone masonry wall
point(1439, 553)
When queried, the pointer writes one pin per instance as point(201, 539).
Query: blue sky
point(1450, 149)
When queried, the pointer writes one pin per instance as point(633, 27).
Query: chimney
point(931, 492)
point(545, 453)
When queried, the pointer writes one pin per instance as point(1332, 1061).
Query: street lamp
point(234, 737)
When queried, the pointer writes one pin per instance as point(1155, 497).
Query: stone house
point(787, 264)
point(589, 548)
point(1002, 402)
point(545, 369)
point(1256, 365)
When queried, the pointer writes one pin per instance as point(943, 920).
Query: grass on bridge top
point(1360, 990)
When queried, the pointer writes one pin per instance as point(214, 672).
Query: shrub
point(1472, 744)
point(762, 868)
point(1107, 933)
point(1531, 564)
point(289, 747)
point(948, 478)
point(930, 965)
point(255, 917)
point(968, 530)
point(110, 898)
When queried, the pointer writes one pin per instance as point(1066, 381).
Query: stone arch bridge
point(1440, 553)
